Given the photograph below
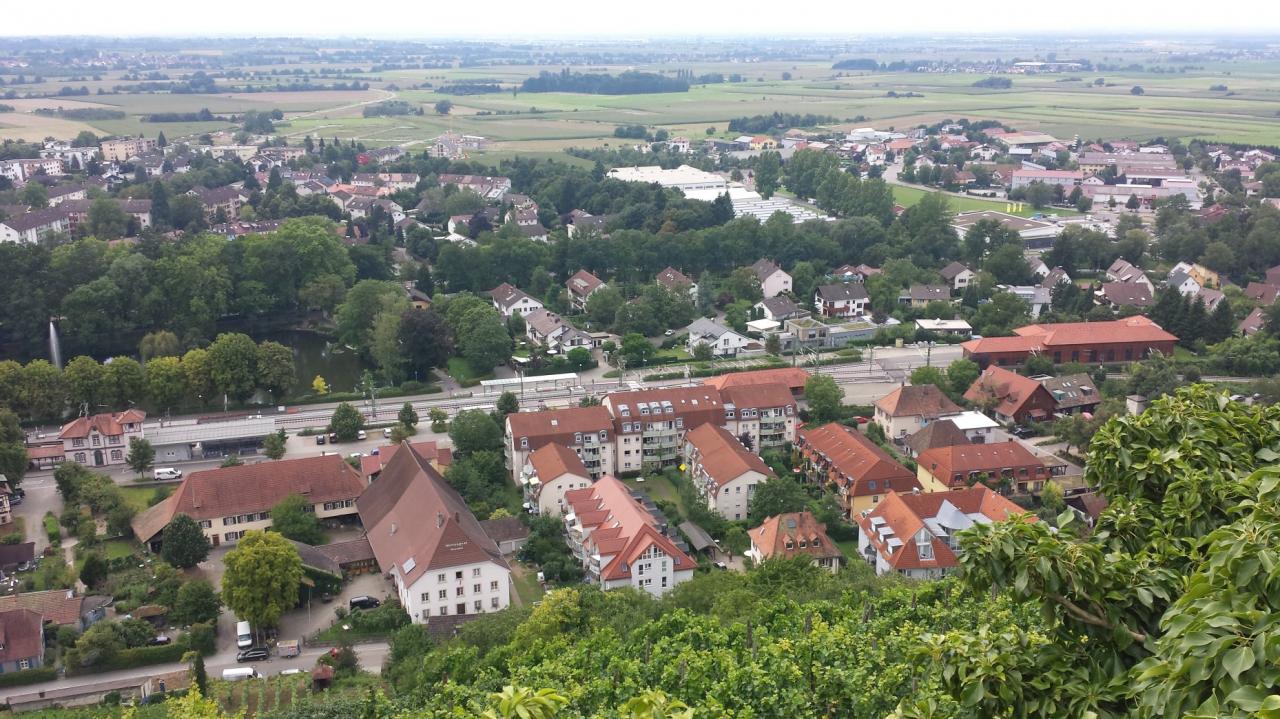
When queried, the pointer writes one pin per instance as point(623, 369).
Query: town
point(298, 415)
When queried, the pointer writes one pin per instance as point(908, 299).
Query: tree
point(263, 574)
point(36, 195)
point(13, 449)
point(199, 377)
point(364, 302)
point(166, 382)
point(703, 352)
point(1008, 265)
point(1132, 203)
point(443, 107)
point(295, 518)
point(508, 403)
point(736, 540)
point(778, 495)
point(486, 343)
point(319, 386)
point(824, 396)
point(233, 365)
point(42, 392)
point(84, 379)
point(768, 172)
point(636, 351)
point(94, 570)
point(107, 219)
point(384, 345)
point(274, 445)
point(425, 341)
point(439, 419)
point(196, 603)
point(1137, 90)
point(930, 375)
point(123, 382)
point(961, 374)
point(603, 304)
point(473, 430)
point(1139, 626)
point(1037, 363)
point(408, 418)
point(141, 455)
point(183, 543)
point(772, 344)
point(275, 369)
point(346, 422)
point(199, 676)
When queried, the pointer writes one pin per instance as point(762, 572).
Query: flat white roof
point(679, 177)
point(971, 420)
point(189, 432)
point(942, 325)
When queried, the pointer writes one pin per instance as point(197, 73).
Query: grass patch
point(117, 548)
point(850, 549)
point(658, 488)
point(526, 583)
point(466, 375)
point(908, 196)
point(139, 498)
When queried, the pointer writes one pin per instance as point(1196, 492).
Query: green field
point(908, 196)
point(1173, 104)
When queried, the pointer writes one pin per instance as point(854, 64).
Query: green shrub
point(200, 638)
point(132, 658)
point(28, 676)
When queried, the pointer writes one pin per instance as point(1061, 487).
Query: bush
point(384, 619)
point(52, 529)
point(28, 676)
point(200, 638)
point(132, 658)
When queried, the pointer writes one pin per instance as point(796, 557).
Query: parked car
point(167, 473)
point(1023, 432)
point(333, 437)
point(253, 654)
point(386, 432)
point(235, 675)
point(360, 434)
point(291, 672)
point(364, 602)
point(320, 439)
point(159, 641)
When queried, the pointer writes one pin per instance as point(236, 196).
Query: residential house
point(723, 341)
point(101, 440)
point(1055, 277)
point(229, 501)
point(916, 535)
point(59, 607)
point(773, 281)
point(1037, 297)
point(650, 424)
point(1185, 284)
point(588, 431)
point(1203, 276)
point(423, 534)
point(61, 193)
point(1262, 293)
point(224, 201)
point(1008, 466)
point(780, 309)
point(794, 534)
point(1210, 298)
point(765, 414)
point(1121, 295)
point(493, 189)
point(620, 541)
point(841, 458)
point(509, 300)
point(551, 471)
point(723, 470)
point(21, 640)
point(957, 275)
point(1122, 271)
point(978, 427)
point(1072, 393)
point(581, 286)
point(918, 296)
point(853, 273)
point(939, 433)
point(1124, 340)
point(1012, 398)
point(1037, 266)
point(550, 330)
point(906, 409)
point(677, 281)
point(846, 299)
point(371, 465)
point(32, 227)
point(1256, 320)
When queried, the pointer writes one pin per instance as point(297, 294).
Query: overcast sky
point(588, 19)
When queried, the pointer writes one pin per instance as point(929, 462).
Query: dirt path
point(387, 95)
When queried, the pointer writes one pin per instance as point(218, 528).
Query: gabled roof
point(703, 327)
point(416, 521)
point(59, 606)
point(21, 635)
point(722, 455)
point(251, 488)
point(764, 268)
point(939, 433)
point(1072, 390)
point(674, 279)
point(1262, 293)
point(928, 293)
point(372, 464)
point(857, 458)
point(556, 460)
point(757, 396)
point(104, 424)
point(504, 529)
point(1013, 391)
point(842, 292)
point(508, 296)
point(349, 552)
point(924, 400)
point(893, 526)
point(772, 537)
point(1038, 337)
point(780, 306)
point(791, 377)
point(945, 462)
point(953, 270)
point(583, 283)
point(1254, 322)
point(551, 423)
point(1127, 294)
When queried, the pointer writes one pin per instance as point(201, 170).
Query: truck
point(289, 648)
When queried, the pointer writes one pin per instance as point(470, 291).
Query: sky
point(591, 19)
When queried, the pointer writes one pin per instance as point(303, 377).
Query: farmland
point(1172, 104)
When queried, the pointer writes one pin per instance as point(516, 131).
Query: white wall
point(422, 599)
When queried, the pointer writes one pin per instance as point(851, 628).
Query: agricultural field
point(908, 196)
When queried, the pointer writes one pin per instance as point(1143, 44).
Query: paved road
point(371, 659)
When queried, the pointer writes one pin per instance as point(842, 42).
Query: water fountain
point(55, 346)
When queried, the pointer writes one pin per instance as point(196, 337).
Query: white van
point(244, 635)
point(168, 473)
point(235, 675)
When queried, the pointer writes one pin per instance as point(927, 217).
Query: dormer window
point(728, 413)
point(790, 545)
point(524, 443)
point(577, 438)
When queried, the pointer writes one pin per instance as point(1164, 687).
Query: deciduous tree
point(263, 574)
point(183, 543)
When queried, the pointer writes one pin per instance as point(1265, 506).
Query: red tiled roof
point(105, 424)
point(583, 283)
point(416, 521)
point(645, 537)
point(859, 459)
point(1012, 390)
point(917, 401)
point(557, 424)
point(758, 396)
point(674, 279)
point(1031, 338)
point(349, 552)
point(904, 516)
point(771, 537)
point(59, 606)
point(722, 456)
point(45, 451)
point(945, 462)
point(21, 635)
point(792, 377)
point(252, 488)
point(556, 460)
point(440, 457)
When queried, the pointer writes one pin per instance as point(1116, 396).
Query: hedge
point(134, 657)
point(28, 676)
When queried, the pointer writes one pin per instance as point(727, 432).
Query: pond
point(315, 354)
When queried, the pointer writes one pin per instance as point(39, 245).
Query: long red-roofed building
point(1125, 340)
point(859, 470)
point(620, 542)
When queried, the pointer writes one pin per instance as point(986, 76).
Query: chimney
point(439, 519)
point(393, 528)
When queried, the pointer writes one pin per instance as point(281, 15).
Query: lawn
point(139, 498)
point(526, 584)
point(658, 488)
point(116, 548)
point(850, 549)
point(908, 196)
point(462, 371)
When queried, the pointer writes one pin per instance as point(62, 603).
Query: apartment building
point(723, 470)
point(650, 424)
point(551, 472)
point(791, 535)
point(1008, 466)
point(859, 470)
point(588, 431)
point(766, 413)
point(122, 149)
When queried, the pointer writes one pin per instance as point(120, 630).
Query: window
point(228, 521)
point(475, 571)
point(728, 413)
point(78, 442)
point(790, 544)
point(871, 485)
point(457, 574)
point(804, 543)
point(24, 663)
point(80, 457)
point(475, 588)
point(97, 440)
point(924, 546)
point(460, 591)
point(816, 542)
point(680, 423)
point(444, 610)
point(493, 586)
point(116, 455)
point(440, 578)
point(604, 436)
point(493, 602)
point(205, 524)
point(577, 438)
point(524, 443)
point(442, 594)
point(479, 606)
point(426, 597)
point(232, 536)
